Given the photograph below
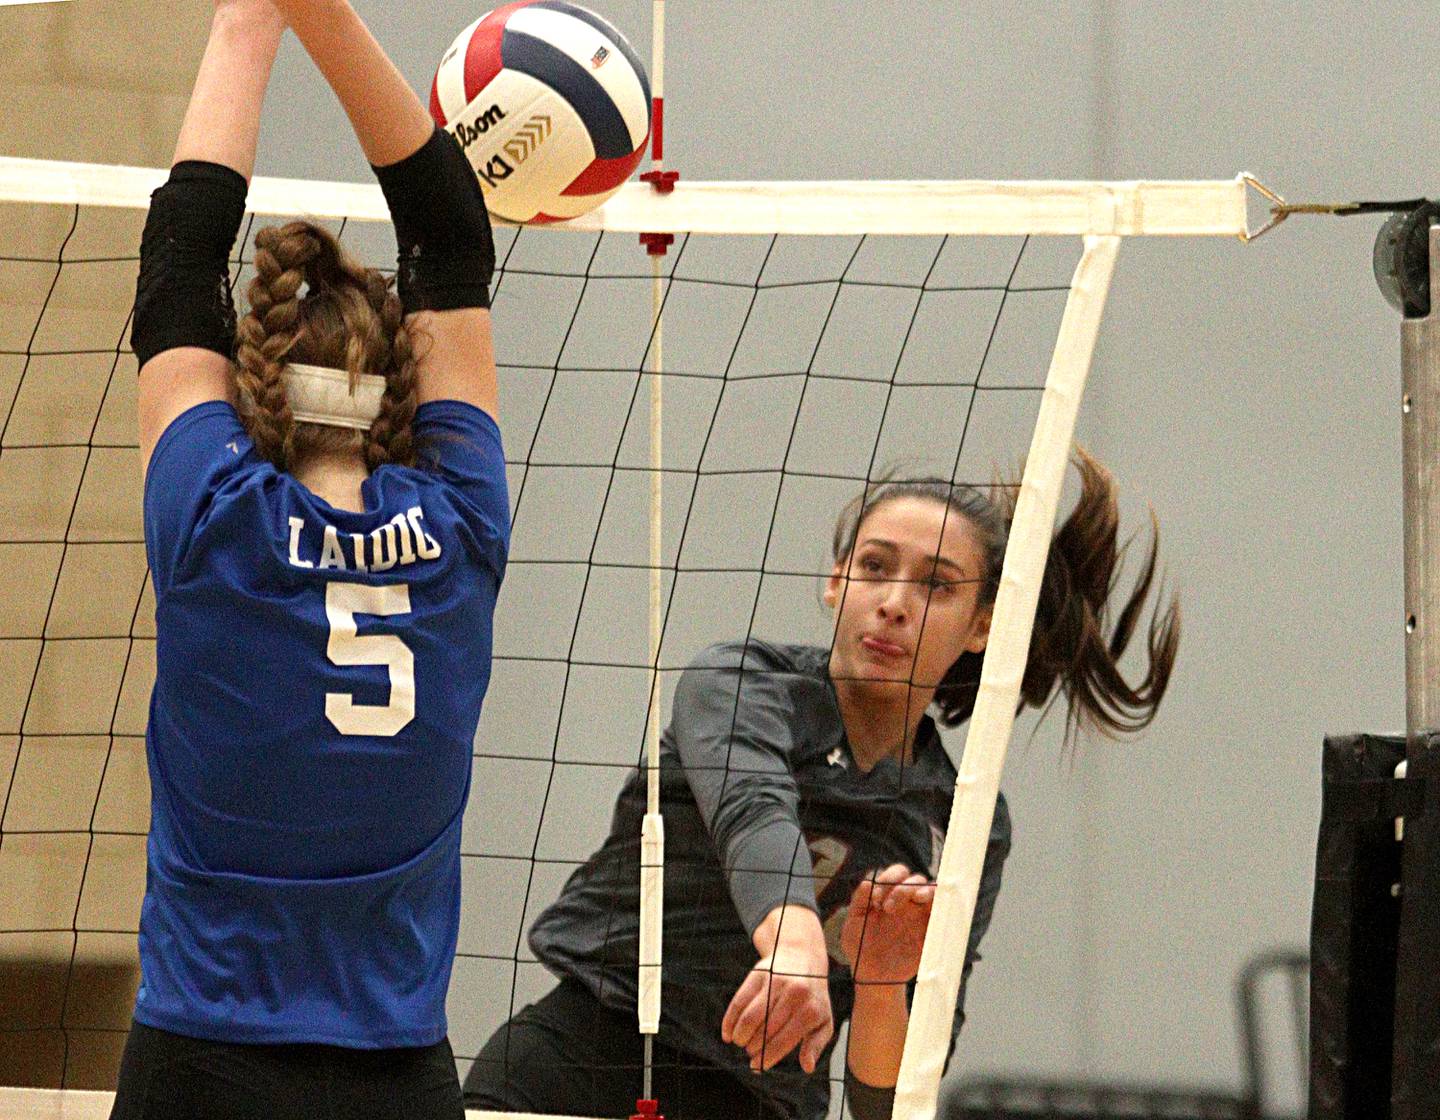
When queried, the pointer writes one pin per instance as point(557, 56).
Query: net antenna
point(652, 840)
point(1100, 213)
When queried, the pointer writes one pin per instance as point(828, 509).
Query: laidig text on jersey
point(401, 540)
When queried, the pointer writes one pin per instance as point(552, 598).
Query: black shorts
point(569, 1054)
point(166, 1076)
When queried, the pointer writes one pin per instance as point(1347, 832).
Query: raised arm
point(446, 252)
point(184, 324)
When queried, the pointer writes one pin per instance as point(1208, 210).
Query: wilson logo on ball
point(577, 108)
point(467, 134)
point(495, 171)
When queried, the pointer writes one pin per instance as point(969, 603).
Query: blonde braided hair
point(347, 318)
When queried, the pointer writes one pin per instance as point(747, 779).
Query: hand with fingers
point(784, 1001)
point(884, 930)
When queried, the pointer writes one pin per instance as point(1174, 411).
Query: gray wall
point(1246, 393)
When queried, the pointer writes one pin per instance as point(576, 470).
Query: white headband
point(319, 395)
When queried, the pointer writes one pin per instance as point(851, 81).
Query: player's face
point(907, 604)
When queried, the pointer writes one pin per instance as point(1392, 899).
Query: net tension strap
point(1280, 209)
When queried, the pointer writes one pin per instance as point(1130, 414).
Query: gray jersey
point(763, 804)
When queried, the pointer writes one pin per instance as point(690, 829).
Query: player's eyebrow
point(938, 562)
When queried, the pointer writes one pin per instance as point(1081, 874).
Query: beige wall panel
point(88, 308)
point(125, 789)
point(17, 671)
point(76, 687)
point(33, 1059)
point(102, 70)
point(31, 571)
point(92, 1059)
point(59, 399)
point(35, 996)
point(119, 423)
point(107, 232)
point(37, 231)
point(110, 499)
point(23, 287)
point(11, 367)
point(98, 592)
point(114, 884)
point(40, 880)
point(37, 491)
point(9, 748)
point(133, 712)
point(52, 231)
point(57, 782)
point(135, 129)
point(145, 616)
point(109, 964)
point(120, 44)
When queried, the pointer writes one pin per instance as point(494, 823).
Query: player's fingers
point(904, 892)
point(885, 883)
point(780, 1037)
point(814, 1045)
point(776, 1000)
point(751, 986)
point(750, 1021)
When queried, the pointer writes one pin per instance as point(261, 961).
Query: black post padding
point(1415, 1094)
point(1354, 929)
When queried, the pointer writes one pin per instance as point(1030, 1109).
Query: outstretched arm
point(446, 254)
point(222, 122)
point(184, 324)
point(389, 120)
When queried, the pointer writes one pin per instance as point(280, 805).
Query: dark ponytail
point(1074, 644)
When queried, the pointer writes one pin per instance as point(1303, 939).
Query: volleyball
point(550, 104)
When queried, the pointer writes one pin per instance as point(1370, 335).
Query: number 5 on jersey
point(343, 601)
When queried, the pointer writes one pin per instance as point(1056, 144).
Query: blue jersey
point(318, 683)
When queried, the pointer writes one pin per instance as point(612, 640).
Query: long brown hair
point(347, 318)
point(1074, 644)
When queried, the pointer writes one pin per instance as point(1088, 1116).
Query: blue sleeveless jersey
point(318, 683)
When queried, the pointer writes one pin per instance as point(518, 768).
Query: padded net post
point(978, 784)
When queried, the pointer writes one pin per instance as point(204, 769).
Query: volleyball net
point(681, 431)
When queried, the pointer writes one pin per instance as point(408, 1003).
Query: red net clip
point(662, 181)
point(658, 244)
point(647, 1110)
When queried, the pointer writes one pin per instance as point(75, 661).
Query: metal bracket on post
point(1415, 1086)
point(1420, 443)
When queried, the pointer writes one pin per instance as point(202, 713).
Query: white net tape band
point(976, 788)
point(1203, 208)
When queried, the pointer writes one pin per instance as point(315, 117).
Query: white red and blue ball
point(550, 104)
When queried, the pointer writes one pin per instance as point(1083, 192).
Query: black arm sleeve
point(182, 297)
point(447, 253)
point(734, 730)
point(868, 1102)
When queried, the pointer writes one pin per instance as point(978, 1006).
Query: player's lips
point(881, 646)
